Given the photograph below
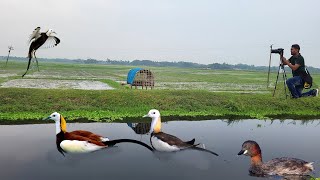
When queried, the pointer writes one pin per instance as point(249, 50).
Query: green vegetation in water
point(22, 104)
point(313, 178)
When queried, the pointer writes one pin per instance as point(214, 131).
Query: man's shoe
point(316, 92)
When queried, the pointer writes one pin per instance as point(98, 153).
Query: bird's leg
point(36, 59)
point(28, 66)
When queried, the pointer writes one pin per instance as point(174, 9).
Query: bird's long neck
point(61, 125)
point(47, 33)
point(156, 124)
point(58, 129)
point(256, 160)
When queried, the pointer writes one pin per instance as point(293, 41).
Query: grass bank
point(34, 104)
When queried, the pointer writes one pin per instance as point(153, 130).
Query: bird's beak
point(242, 152)
point(47, 118)
point(145, 116)
point(54, 32)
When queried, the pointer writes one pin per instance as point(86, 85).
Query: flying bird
point(40, 39)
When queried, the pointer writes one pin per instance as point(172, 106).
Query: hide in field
point(140, 77)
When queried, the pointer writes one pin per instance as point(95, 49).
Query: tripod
point(284, 76)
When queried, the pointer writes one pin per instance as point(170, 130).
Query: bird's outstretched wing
point(35, 35)
point(52, 41)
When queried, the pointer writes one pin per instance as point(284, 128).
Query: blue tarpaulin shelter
point(132, 74)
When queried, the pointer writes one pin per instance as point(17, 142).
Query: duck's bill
point(145, 116)
point(47, 118)
point(242, 152)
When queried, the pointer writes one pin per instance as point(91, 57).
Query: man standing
point(296, 83)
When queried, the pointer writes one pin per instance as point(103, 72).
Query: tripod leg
point(269, 68)
point(285, 82)
point(275, 86)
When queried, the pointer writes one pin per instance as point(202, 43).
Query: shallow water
point(56, 84)
point(29, 151)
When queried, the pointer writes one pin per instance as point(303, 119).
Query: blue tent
point(132, 74)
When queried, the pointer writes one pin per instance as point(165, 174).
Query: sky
point(200, 31)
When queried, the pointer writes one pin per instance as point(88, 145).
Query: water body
point(29, 151)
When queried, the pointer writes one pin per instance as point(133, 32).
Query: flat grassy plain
point(180, 93)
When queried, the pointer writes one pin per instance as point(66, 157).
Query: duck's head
point(156, 121)
point(153, 113)
point(61, 124)
point(250, 148)
point(54, 116)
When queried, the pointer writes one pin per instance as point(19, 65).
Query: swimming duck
point(278, 166)
point(161, 141)
point(81, 141)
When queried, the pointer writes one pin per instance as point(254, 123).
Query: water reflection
point(140, 128)
point(269, 122)
point(29, 152)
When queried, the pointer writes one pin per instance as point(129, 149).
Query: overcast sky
point(202, 31)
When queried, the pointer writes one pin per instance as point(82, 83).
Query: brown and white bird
point(40, 39)
point(81, 141)
point(164, 142)
point(279, 166)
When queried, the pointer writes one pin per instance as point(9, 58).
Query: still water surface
point(29, 151)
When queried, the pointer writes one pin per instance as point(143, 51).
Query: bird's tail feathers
point(191, 142)
point(116, 141)
point(204, 150)
point(310, 166)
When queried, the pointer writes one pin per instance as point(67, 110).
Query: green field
point(179, 93)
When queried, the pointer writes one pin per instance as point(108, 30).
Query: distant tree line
point(179, 64)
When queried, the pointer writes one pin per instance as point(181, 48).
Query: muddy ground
point(57, 84)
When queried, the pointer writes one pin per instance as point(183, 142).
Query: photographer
point(296, 83)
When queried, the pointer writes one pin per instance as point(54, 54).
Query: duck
point(284, 166)
point(81, 141)
point(164, 142)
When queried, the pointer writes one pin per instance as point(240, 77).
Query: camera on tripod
point(281, 66)
point(278, 51)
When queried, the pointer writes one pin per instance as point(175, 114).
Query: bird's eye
point(154, 113)
point(54, 115)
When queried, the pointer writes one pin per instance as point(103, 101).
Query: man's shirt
point(297, 60)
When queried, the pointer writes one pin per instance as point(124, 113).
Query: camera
point(277, 51)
